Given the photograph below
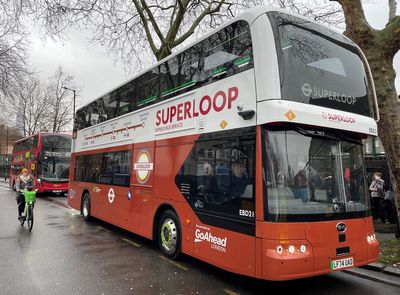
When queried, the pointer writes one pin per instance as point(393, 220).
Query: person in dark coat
point(377, 194)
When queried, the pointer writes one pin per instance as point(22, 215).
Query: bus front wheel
point(169, 234)
point(86, 206)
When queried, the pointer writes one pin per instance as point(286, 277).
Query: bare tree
point(28, 107)
point(380, 47)
point(129, 29)
point(41, 106)
point(13, 47)
point(60, 102)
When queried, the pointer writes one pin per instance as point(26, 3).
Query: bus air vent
point(342, 251)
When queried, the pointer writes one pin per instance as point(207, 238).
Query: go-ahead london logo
point(143, 166)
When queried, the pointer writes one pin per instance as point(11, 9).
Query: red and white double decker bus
point(243, 150)
point(47, 157)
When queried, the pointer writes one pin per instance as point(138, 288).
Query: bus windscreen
point(313, 176)
point(54, 158)
point(318, 66)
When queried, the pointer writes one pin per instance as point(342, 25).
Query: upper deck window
point(223, 54)
point(318, 66)
point(56, 142)
point(29, 143)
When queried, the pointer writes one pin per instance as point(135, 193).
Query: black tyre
point(169, 234)
point(85, 211)
point(29, 218)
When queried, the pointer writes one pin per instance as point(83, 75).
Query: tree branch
point(392, 9)
point(390, 37)
point(172, 15)
point(357, 26)
point(189, 32)
point(146, 27)
point(176, 24)
point(153, 21)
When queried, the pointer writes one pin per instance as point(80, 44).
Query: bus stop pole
point(6, 153)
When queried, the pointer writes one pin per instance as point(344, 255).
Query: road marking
point(102, 228)
point(230, 292)
point(178, 265)
point(132, 243)
point(73, 213)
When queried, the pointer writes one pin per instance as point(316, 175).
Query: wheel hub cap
point(168, 235)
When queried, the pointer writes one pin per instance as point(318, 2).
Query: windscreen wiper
point(336, 137)
point(349, 139)
point(309, 134)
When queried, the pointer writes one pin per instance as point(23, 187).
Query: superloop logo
point(338, 118)
point(143, 166)
point(196, 107)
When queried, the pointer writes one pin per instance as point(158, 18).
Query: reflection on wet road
point(66, 255)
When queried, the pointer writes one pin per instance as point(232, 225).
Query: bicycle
point(30, 198)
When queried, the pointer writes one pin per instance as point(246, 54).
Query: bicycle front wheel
point(30, 217)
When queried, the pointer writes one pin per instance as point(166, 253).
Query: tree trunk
point(380, 46)
point(163, 52)
point(389, 125)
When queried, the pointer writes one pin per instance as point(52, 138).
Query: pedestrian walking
point(377, 195)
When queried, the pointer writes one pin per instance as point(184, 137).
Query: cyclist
point(23, 181)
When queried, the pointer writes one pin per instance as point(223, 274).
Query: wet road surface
point(66, 255)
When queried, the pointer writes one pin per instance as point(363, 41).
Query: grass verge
point(390, 252)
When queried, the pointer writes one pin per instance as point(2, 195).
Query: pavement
point(378, 272)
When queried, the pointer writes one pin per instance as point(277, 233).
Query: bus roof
point(249, 15)
point(43, 133)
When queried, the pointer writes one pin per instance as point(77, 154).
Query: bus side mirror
point(247, 115)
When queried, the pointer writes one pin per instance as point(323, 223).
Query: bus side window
point(224, 178)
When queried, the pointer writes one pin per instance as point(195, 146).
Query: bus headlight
point(303, 248)
point(279, 249)
point(291, 249)
point(371, 238)
point(39, 181)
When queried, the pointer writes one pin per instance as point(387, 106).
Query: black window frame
point(286, 84)
point(282, 218)
point(220, 206)
point(93, 168)
point(159, 84)
point(26, 144)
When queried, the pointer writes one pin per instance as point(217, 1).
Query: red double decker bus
point(243, 150)
point(47, 157)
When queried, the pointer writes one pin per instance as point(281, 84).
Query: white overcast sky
point(96, 73)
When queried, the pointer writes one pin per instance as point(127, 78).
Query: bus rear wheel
point(85, 211)
point(169, 234)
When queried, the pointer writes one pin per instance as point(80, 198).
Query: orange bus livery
point(243, 150)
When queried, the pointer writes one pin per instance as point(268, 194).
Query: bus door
point(221, 173)
point(33, 167)
point(142, 185)
point(31, 163)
